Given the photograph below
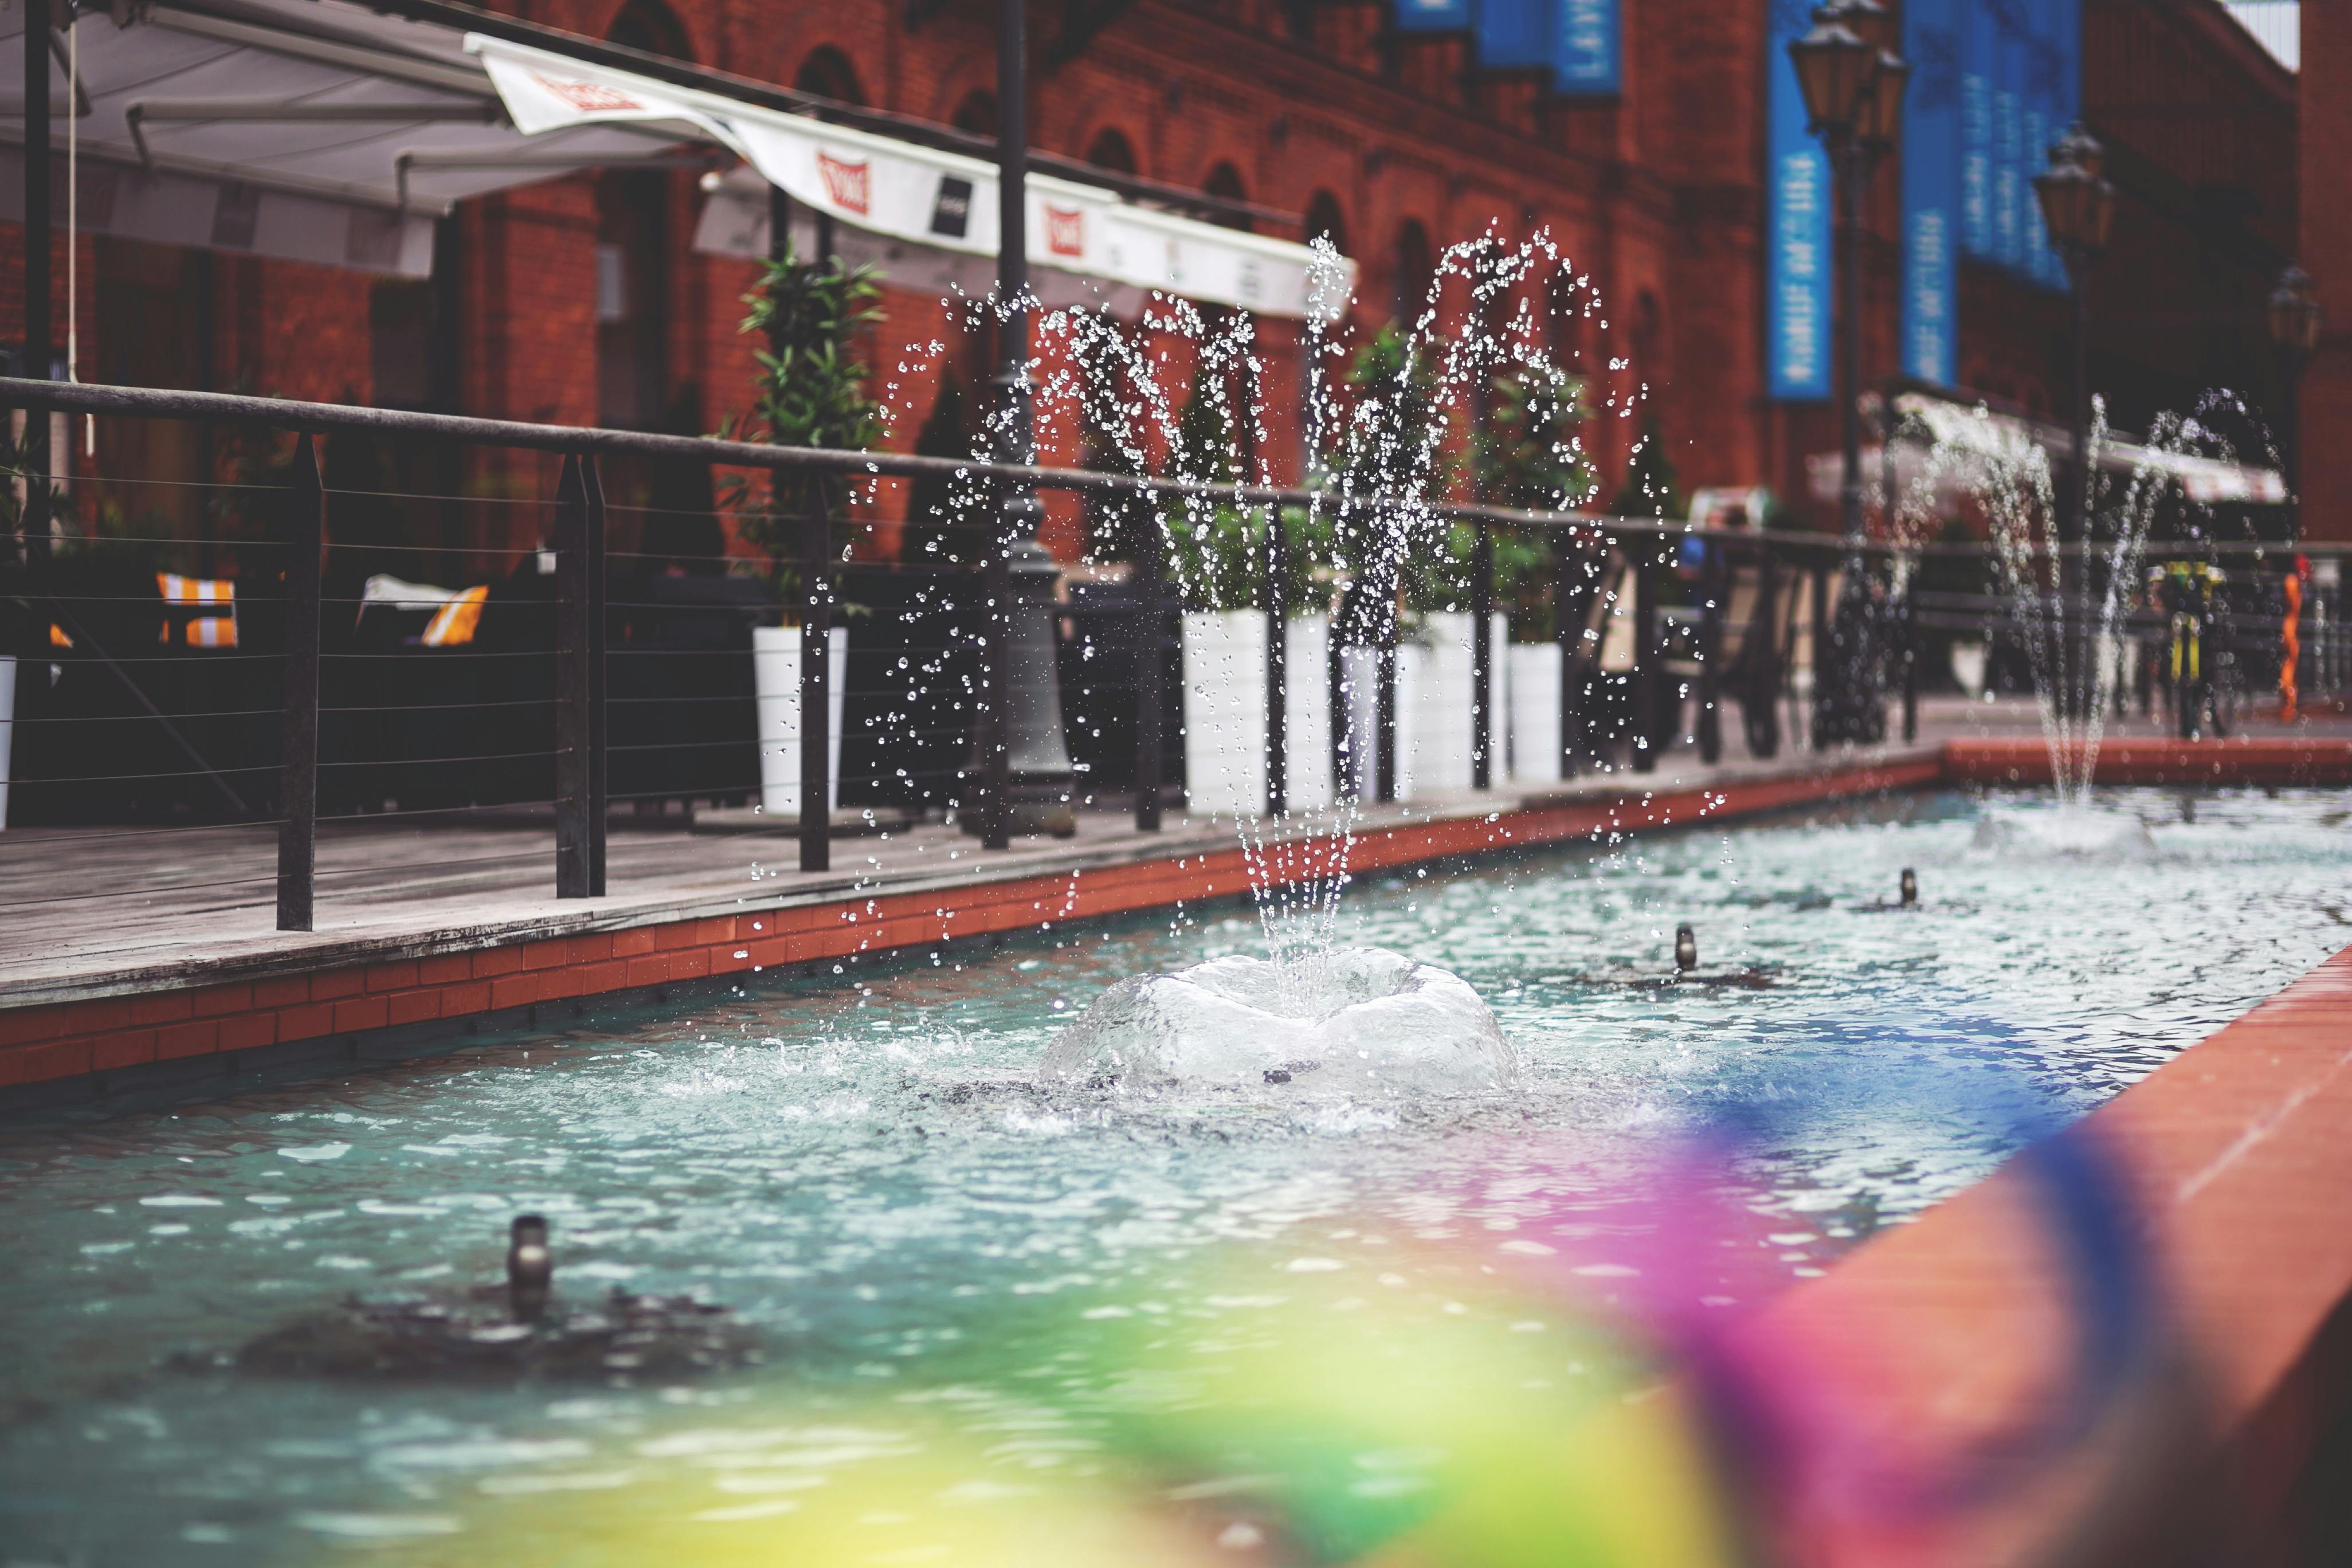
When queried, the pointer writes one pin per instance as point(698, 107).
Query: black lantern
point(1868, 20)
point(1834, 70)
point(2078, 207)
point(1881, 105)
point(2295, 313)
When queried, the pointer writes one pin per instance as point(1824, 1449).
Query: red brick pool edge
point(351, 991)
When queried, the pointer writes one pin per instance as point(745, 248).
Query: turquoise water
point(862, 1171)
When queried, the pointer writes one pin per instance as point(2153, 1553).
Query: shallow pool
point(861, 1170)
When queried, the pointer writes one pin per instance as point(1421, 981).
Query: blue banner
point(1513, 32)
point(1797, 247)
point(1431, 15)
point(2040, 107)
point(1931, 190)
point(2010, 191)
point(1585, 64)
point(1979, 59)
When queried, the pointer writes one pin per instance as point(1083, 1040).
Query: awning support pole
point(38, 355)
point(298, 743)
point(816, 682)
point(580, 736)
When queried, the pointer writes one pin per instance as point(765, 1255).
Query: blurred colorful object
point(1582, 1388)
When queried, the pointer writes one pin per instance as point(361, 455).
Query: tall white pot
point(1533, 706)
point(776, 676)
point(1225, 713)
point(8, 726)
point(1436, 723)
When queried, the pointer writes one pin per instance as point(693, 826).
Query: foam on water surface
point(1360, 1020)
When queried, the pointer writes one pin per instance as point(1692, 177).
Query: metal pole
point(297, 735)
point(1570, 601)
point(1017, 508)
point(574, 862)
point(2075, 523)
point(1911, 657)
point(1837, 696)
point(1482, 660)
point(816, 681)
point(1645, 662)
point(1713, 591)
point(38, 331)
point(592, 496)
point(1150, 676)
point(1277, 665)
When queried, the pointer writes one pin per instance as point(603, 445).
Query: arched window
point(828, 74)
point(1414, 264)
point(1110, 150)
point(1325, 222)
point(650, 25)
point(977, 113)
point(1226, 181)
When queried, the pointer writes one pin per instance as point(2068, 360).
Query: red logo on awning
point(850, 185)
point(1066, 232)
point(588, 97)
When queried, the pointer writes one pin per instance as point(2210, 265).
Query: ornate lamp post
point(1021, 762)
point(1853, 83)
point(2295, 318)
point(2078, 207)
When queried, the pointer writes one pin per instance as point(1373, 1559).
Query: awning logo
point(848, 185)
point(589, 97)
point(1066, 232)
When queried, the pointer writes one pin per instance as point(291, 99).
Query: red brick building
point(581, 301)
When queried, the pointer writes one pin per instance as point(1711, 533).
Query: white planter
point(7, 727)
point(1225, 713)
point(776, 676)
point(1436, 713)
point(1532, 704)
point(1968, 667)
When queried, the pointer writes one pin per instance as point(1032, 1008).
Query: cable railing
point(590, 680)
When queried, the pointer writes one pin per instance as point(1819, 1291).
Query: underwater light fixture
point(1686, 949)
point(1910, 888)
point(531, 1268)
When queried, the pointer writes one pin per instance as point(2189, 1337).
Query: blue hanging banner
point(1585, 64)
point(2010, 191)
point(2040, 112)
point(1931, 190)
point(1979, 59)
point(1431, 15)
point(1513, 32)
point(1797, 256)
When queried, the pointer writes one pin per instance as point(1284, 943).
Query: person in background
point(2291, 634)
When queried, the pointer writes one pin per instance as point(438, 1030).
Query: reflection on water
point(868, 1173)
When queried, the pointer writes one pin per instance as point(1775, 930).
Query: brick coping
point(127, 1024)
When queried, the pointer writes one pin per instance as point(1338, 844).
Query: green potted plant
point(810, 391)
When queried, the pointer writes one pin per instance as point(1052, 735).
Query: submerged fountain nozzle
point(531, 1268)
point(1686, 949)
point(1910, 888)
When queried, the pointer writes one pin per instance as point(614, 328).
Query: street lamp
point(2078, 207)
point(2295, 323)
point(1852, 82)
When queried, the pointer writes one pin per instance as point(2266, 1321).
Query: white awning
point(932, 213)
point(304, 130)
point(1971, 444)
point(320, 131)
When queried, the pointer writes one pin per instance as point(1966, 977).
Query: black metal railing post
point(816, 682)
point(1277, 665)
point(1150, 671)
point(297, 733)
point(580, 738)
point(1910, 618)
point(1482, 657)
point(1820, 646)
point(1763, 659)
point(1714, 589)
point(1646, 661)
point(1574, 583)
